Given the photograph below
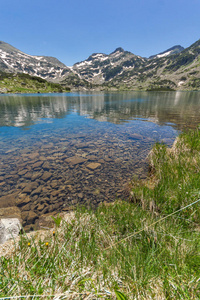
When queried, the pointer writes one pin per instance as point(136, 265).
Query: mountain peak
point(118, 69)
point(119, 49)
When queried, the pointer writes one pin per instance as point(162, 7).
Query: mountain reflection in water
point(180, 108)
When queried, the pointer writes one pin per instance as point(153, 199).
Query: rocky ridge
point(174, 69)
point(173, 50)
point(179, 71)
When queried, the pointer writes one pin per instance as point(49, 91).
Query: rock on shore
point(9, 228)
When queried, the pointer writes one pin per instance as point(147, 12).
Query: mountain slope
point(99, 67)
point(177, 71)
point(173, 50)
point(13, 60)
point(174, 69)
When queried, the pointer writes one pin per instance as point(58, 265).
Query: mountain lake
point(61, 150)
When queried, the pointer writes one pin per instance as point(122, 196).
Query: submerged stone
point(30, 187)
point(93, 166)
point(8, 200)
point(46, 176)
point(75, 160)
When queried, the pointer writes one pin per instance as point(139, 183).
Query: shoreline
point(47, 223)
point(111, 90)
point(123, 248)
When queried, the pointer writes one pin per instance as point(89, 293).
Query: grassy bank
point(174, 179)
point(132, 249)
point(24, 83)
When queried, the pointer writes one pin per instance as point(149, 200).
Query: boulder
point(93, 166)
point(10, 212)
point(30, 187)
point(31, 217)
point(8, 200)
point(46, 176)
point(9, 228)
point(46, 166)
point(2, 233)
point(37, 164)
point(23, 172)
point(45, 221)
point(36, 175)
point(75, 160)
point(37, 191)
point(22, 200)
point(28, 175)
point(33, 156)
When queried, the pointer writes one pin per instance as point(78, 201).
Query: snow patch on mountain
point(173, 50)
point(164, 54)
point(2, 54)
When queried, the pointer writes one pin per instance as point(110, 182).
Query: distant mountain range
point(174, 69)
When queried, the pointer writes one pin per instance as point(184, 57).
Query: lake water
point(58, 150)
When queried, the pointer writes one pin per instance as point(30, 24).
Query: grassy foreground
point(122, 250)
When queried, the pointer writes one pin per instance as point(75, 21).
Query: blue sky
point(71, 30)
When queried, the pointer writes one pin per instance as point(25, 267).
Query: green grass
point(81, 258)
point(121, 250)
point(175, 177)
point(24, 83)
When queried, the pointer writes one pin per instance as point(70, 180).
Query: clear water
point(83, 148)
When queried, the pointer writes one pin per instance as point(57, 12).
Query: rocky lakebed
point(60, 151)
point(54, 175)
